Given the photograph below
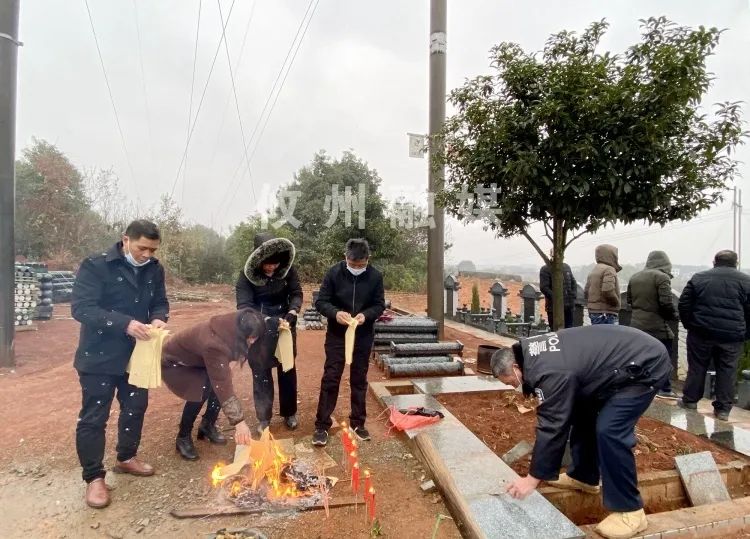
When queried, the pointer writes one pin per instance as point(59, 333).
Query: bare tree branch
point(574, 238)
point(536, 246)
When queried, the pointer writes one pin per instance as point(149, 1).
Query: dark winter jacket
point(342, 291)
point(582, 366)
point(275, 295)
point(206, 351)
point(716, 304)
point(570, 287)
point(602, 286)
point(272, 296)
point(650, 297)
point(107, 295)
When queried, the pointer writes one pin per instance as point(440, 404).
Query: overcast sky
point(359, 81)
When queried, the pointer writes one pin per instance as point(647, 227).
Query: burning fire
point(266, 466)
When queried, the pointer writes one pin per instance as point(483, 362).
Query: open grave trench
point(463, 453)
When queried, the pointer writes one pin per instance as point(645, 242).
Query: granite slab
point(459, 384)
point(701, 478)
point(481, 478)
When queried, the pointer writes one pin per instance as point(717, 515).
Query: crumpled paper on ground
point(145, 361)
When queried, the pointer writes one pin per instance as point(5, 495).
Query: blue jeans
point(601, 445)
point(603, 318)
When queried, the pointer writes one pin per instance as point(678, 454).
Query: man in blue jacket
point(116, 295)
point(351, 289)
point(593, 383)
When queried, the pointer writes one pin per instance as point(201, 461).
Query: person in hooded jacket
point(196, 365)
point(593, 383)
point(715, 309)
point(570, 290)
point(603, 287)
point(269, 283)
point(650, 299)
point(352, 289)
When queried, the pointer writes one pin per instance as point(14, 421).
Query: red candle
point(371, 503)
point(355, 478)
point(352, 458)
point(345, 437)
point(368, 485)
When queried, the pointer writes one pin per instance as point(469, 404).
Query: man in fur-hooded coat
point(269, 284)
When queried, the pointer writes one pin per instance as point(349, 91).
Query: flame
point(266, 463)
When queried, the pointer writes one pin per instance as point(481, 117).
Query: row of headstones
point(530, 322)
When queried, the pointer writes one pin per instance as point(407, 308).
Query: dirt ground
point(499, 423)
point(41, 492)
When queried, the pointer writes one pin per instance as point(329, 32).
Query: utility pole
point(8, 72)
point(436, 176)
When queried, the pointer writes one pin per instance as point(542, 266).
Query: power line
point(292, 52)
point(114, 108)
point(200, 103)
point(192, 88)
point(229, 97)
point(236, 101)
point(143, 84)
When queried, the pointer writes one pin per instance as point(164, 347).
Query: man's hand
point(138, 330)
point(156, 323)
point(343, 318)
point(242, 433)
point(360, 318)
point(522, 487)
point(291, 316)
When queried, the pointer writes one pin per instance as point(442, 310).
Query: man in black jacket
point(269, 284)
point(593, 383)
point(715, 309)
point(351, 289)
point(570, 290)
point(115, 296)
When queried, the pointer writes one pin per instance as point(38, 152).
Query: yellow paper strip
point(349, 341)
point(145, 362)
point(285, 348)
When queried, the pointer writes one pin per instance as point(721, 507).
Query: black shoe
point(687, 405)
point(667, 395)
point(362, 433)
point(723, 416)
point(186, 449)
point(291, 422)
point(320, 437)
point(211, 433)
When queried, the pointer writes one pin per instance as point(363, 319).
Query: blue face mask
point(132, 261)
point(356, 271)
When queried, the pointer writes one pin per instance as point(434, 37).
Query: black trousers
point(263, 392)
point(602, 439)
point(98, 391)
point(193, 408)
point(700, 351)
point(668, 343)
point(568, 313)
point(332, 372)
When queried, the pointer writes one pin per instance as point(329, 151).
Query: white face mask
point(519, 388)
point(356, 271)
point(132, 261)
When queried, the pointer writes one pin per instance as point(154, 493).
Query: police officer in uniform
point(115, 295)
point(593, 383)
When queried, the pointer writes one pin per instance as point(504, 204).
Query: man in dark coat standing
point(593, 383)
point(652, 307)
point(115, 296)
point(269, 284)
point(352, 289)
point(570, 290)
point(715, 309)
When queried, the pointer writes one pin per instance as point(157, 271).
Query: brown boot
point(97, 494)
point(134, 467)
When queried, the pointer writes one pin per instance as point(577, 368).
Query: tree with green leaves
point(578, 139)
point(475, 304)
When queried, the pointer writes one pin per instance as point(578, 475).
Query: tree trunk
point(558, 254)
